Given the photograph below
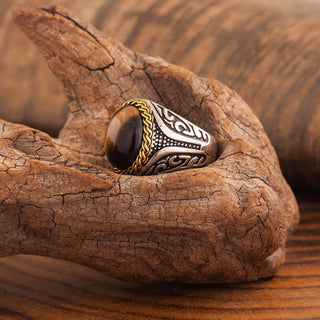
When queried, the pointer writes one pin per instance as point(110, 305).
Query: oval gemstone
point(124, 136)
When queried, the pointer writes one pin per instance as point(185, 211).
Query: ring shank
point(177, 143)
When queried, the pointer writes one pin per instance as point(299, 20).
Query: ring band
point(145, 138)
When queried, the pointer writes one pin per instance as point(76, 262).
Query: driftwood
point(266, 50)
point(226, 222)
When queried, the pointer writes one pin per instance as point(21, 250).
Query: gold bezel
point(147, 123)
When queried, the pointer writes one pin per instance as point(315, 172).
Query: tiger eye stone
point(124, 136)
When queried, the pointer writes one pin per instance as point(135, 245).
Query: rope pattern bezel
point(147, 121)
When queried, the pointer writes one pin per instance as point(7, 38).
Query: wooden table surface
point(42, 288)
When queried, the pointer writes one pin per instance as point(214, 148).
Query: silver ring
point(145, 138)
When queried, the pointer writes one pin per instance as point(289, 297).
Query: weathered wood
point(226, 222)
point(265, 50)
point(41, 288)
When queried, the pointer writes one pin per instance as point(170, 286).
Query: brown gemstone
point(124, 136)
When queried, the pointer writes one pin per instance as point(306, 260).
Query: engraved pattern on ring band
point(178, 124)
point(176, 143)
point(177, 161)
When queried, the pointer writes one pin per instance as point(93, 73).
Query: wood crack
point(196, 226)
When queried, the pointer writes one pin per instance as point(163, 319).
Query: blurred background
point(266, 50)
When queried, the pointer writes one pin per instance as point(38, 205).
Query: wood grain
point(43, 288)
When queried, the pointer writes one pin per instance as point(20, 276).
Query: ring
point(145, 138)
